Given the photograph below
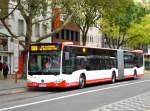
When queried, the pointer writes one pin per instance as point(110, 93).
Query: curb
point(13, 91)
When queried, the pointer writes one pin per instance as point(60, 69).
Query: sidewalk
point(10, 87)
point(146, 72)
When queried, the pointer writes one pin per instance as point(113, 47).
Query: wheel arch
point(83, 74)
point(114, 70)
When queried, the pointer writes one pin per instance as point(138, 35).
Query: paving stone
point(136, 103)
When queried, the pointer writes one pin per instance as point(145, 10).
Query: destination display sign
point(44, 47)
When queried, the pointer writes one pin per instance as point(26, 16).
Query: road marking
point(71, 95)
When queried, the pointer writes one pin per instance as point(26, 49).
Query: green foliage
point(114, 8)
point(85, 13)
point(3, 8)
point(34, 8)
point(140, 32)
point(116, 20)
point(117, 16)
point(115, 26)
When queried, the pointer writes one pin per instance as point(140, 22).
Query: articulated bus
point(66, 65)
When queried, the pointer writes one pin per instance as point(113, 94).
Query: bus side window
point(102, 64)
point(87, 67)
point(80, 64)
point(68, 63)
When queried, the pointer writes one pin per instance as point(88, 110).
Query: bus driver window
point(47, 64)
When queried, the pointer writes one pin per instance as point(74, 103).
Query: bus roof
point(90, 47)
point(71, 44)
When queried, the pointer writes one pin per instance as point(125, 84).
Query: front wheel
point(113, 80)
point(82, 82)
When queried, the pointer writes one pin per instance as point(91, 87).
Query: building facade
point(94, 37)
point(70, 33)
point(18, 26)
point(8, 52)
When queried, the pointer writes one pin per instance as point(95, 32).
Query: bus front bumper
point(61, 84)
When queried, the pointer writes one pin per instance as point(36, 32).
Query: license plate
point(42, 85)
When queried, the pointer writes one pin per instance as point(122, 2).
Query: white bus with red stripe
point(71, 65)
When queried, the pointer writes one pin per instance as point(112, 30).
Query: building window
point(44, 29)
point(63, 34)
point(37, 30)
point(76, 36)
point(57, 35)
point(3, 44)
point(20, 27)
point(91, 38)
point(67, 34)
point(72, 35)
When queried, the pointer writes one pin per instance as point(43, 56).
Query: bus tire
point(113, 79)
point(135, 75)
point(82, 81)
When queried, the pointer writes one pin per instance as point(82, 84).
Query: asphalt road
point(87, 99)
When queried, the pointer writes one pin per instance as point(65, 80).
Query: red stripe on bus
point(140, 75)
point(131, 76)
point(98, 80)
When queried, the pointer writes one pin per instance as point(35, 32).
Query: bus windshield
point(44, 63)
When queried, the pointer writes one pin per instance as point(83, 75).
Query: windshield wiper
point(34, 73)
point(43, 73)
point(55, 73)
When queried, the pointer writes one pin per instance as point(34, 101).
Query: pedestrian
point(5, 70)
point(1, 67)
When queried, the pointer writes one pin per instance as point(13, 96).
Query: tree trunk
point(84, 34)
point(108, 41)
point(27, 43)
point(84, 38)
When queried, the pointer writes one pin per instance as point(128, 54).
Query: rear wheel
point(82, 81)
point(135, 75)
point(113, 80)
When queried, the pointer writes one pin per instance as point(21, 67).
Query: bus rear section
point(133, 64)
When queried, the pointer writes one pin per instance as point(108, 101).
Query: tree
point(139, 33)
point(87, 15)
point(115, 26)
point(90, 11)
point(32, 11)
